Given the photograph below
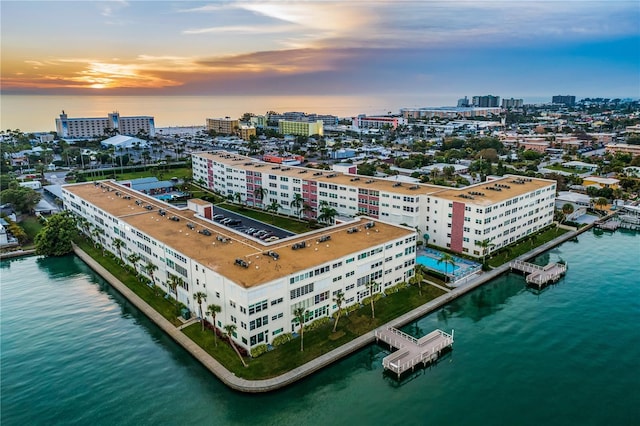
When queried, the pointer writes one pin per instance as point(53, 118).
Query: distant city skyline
point(516, 49)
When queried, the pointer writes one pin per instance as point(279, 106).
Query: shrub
point(281, 339)
point(317, 323)
point(259, 350)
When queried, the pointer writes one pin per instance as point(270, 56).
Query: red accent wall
point(208, 212)
point(457, 225)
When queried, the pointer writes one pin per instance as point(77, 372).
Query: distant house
point(581, 165)
point(120, 142)
point(600, 182)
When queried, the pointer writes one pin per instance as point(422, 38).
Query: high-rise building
point(99, 126)
point(223, 126)
point(487, 101)
point(364, 122)
point(567, 100)
point(301, 128)
point(512, 103)
point(463, 102)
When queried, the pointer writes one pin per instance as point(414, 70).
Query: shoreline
point(267, 385)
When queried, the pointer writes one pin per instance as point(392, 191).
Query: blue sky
point(510, 48)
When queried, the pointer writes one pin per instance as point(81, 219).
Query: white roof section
point(122, 141)
point(602, 180)
point(573, 197)
point(580, 165)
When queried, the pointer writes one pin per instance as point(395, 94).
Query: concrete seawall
point(267, 385)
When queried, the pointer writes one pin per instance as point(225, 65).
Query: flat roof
point(325, 176)
point(507, 187)
point(219, 255)
point(523, 185)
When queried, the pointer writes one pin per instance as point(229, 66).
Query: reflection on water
point(484, 301)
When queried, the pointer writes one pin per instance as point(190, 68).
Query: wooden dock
point(411, 351)
point(540, 275)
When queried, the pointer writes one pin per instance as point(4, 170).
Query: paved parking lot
point(247, 222)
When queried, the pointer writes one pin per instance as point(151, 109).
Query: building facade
point(503, 211)
point(258, 285)
point(95, 127)
point(567, 100)
point(223, 126)
point(364, 122)
point(301, 128)
point(512, 103)
point(448, 112)
point(488, 101)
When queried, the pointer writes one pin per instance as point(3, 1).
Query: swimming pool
point(432, 263)
point(428, 257)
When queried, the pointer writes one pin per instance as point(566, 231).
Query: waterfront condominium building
point(223, 126)
point(567, 100)
point(512, 103)
point(94, 127)
point(448, 112)
point(301, 128)
point(488, 101)
point(502, 211)
point(364, 122)
point(258, 285)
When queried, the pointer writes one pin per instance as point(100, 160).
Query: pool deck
point(461, 287)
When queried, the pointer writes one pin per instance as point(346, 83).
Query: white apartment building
point(258, 285)
point(93, 127)
point(503, 210)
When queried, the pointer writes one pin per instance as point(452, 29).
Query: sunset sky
point(520, 48)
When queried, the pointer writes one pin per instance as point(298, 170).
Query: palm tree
point(417, 278)
point(118, 244)
point(339, 300)
point(149, 268)
point(371, 286)
point(273, 208)
point(300, 314)
point(327, 213)
point(200, 297)
point(447, 259)
point(485, 245)
point(213, 310)
point(601, 202)
point(134, 258)
point(297, 203)
point(238, 197)
point(306, 208)
point(173, 282)
point(260, 193)
point(230, 330)
point(567, 209)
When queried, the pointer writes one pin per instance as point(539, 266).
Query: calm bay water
point(74, 352)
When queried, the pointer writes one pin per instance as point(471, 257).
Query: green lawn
point(31, 226)
point(153, 297)
point(157, 171)
point(535, 240)
point(316, 342)
point(288, 223)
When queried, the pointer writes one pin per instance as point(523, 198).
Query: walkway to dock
point(540, 275)
point(610, 225)
point(412, 351)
